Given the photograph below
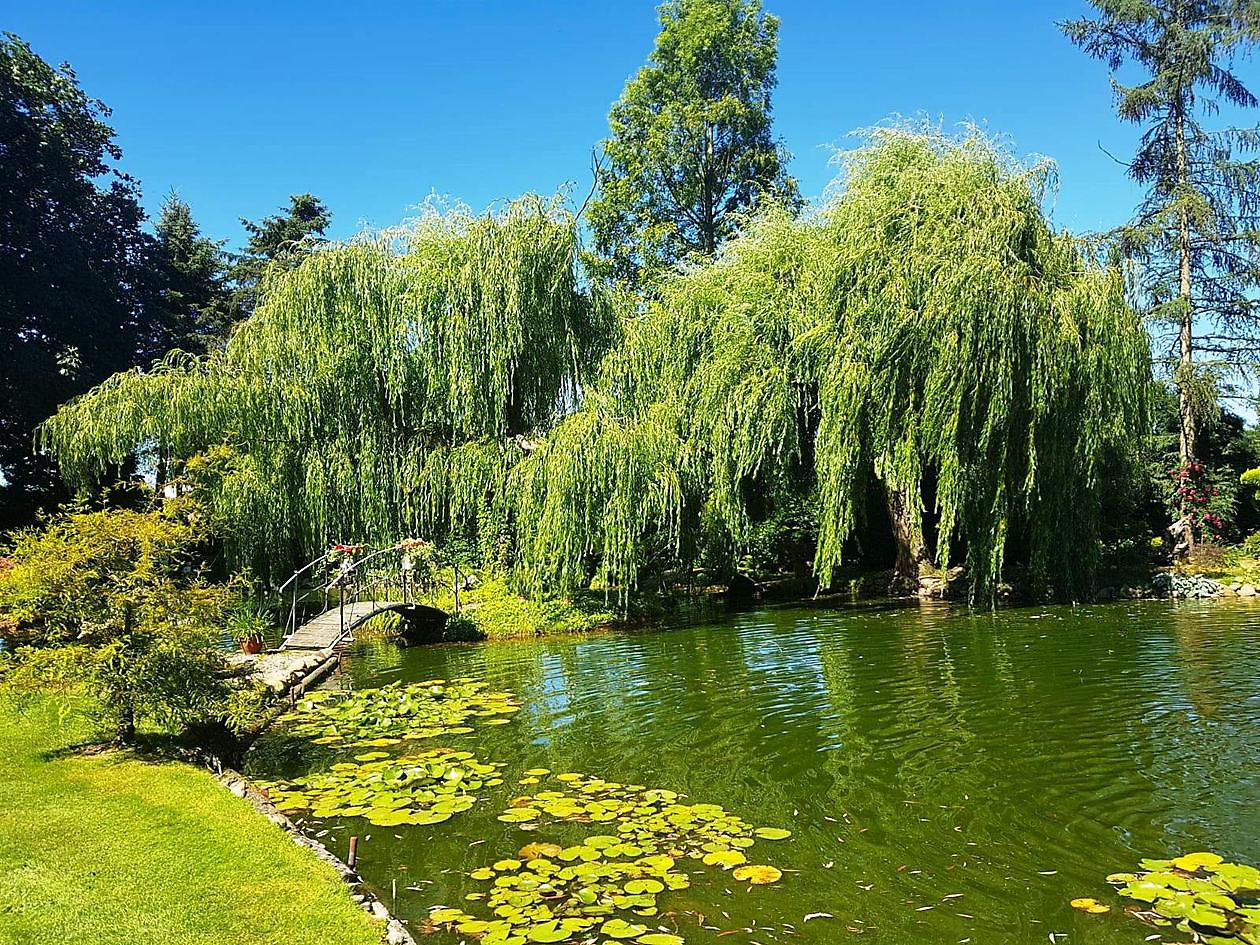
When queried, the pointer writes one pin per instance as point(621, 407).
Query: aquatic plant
point(426, 788)
point(552, 892)
point(1198, 893)
point(389, 715)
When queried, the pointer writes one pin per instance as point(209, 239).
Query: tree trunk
point(1185, 335)
point(126, 725)
point(709, 236)
point(907, 528)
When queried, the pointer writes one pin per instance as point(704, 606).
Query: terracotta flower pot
point(252, 645)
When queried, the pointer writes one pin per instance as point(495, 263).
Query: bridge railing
point(351, 573)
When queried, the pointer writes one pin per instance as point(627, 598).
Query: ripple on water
point(947, 775)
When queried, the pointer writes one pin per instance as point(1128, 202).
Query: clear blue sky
point(375, 106)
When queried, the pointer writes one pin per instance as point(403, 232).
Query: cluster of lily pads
point(425, 788)
point(552, 893)
point(395, 713)
point(1199, 893)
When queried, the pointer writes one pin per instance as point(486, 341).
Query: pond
point(947, 777)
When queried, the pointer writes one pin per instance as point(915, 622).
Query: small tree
point(110, 602)
point(691, 144)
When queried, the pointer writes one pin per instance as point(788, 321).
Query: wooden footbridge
point(347, 587)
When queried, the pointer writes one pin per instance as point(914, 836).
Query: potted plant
point(248, 623)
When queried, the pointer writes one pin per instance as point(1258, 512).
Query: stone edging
point(395, 932)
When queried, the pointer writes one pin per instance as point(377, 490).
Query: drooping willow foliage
point(927, 326)
point(925, 337)
point(379, 390)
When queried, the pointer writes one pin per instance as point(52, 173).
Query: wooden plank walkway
point(324, 630)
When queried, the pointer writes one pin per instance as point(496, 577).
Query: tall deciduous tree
point(691, 143)
point(927, 335)
point(1197, 231)
point(196, 308)
point(73, 261)
point(381, 388)
point(278, 243)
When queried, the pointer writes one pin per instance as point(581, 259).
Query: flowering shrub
point(1193, 497)
point(340, 552)
point(419, 561)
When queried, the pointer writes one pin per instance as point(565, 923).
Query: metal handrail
point(342, 581)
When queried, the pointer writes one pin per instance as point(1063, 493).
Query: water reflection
point(948, 775)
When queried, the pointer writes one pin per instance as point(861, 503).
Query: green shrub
point(499, 613)
point(111, 602)
point(1250, 546)
point(462, 629)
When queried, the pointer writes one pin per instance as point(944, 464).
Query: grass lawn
point(109, 849)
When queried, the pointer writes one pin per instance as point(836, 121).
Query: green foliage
point(195, 304)
point(382, 388)
point(496, 613)
point(1225, 449)
point(1251, 478)
point(928, 322)
point(1199, 893)
point(461, 628)
point(251, 618)
point(109, 604)
point(690, 146)
point(85, 574)
point(74, 281)
point(275, 245)
point(1197, 231)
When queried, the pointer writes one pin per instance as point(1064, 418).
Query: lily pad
point(1092, 906)
point(619, 928)
point(757, 875)
point(771, 833)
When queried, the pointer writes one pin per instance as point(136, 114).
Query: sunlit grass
point(108, 848)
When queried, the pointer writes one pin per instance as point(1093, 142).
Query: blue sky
point(376, 106)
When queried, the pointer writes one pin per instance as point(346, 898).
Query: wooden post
point(352, 858)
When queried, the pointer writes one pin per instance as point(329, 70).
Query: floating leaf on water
point(1092, 906)
point(660, 938)
point(518, 815)
point(532, 851)
point(757, 875)
point(724, 858)
point(1193, 862)
point(771, 833)
point(447, 915)
point(548, 932)
point(619, 928)
point(639, 886)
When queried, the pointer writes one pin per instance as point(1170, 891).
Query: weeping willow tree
point(384, 387)
point(926, 334)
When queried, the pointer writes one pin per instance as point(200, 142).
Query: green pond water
point(947, 777)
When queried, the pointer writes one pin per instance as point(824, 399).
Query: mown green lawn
point(107, 849)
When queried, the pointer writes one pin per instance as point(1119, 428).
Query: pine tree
point(276, 244)
point(195, 303)
point(1197, 231)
